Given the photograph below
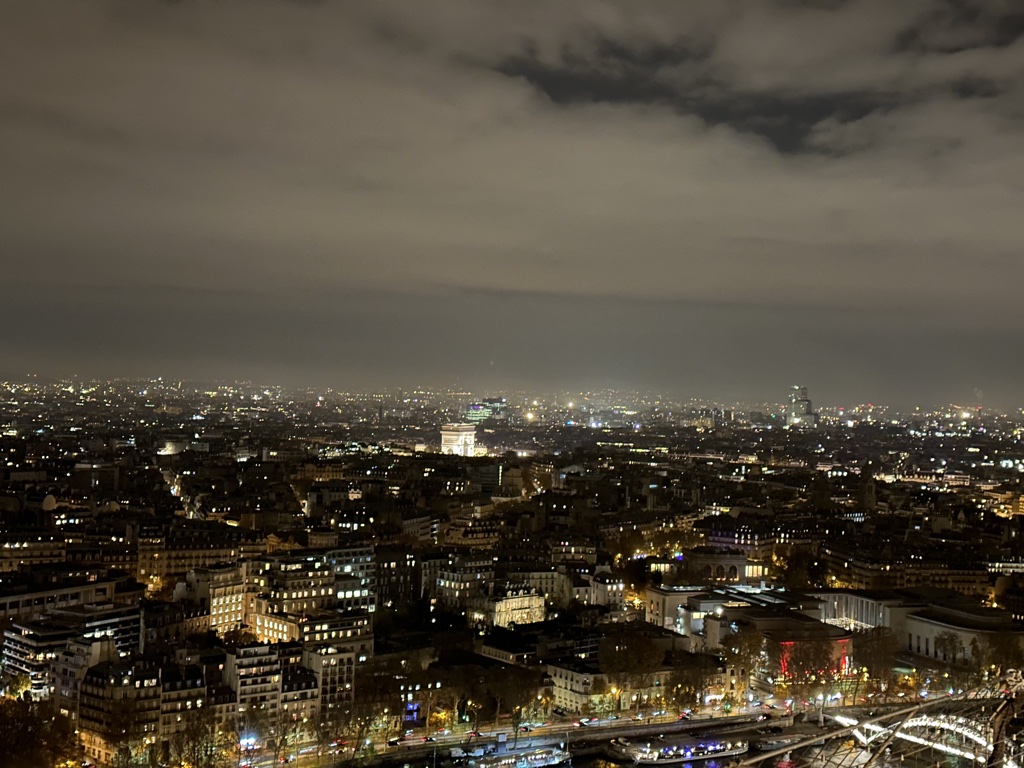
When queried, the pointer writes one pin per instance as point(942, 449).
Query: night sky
point(712, 198)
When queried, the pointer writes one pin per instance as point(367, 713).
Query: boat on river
point(533, 757)
point(674, 751)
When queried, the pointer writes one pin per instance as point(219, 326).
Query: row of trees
point(630, 662)
point(809, 667)
point(201, 739)
point(471, 695)
point(452, 692)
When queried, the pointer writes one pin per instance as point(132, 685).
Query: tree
point(452, 647)
point(425, 683)
point(511, 687)
point(801, 570)
point(729, 701)
point(447, 701)
point(127, 735)
point(875, 651)
point(744, 653)
point(948, 646)
point(234, 638)
point(995, 652)
point(32, 738)
point(251, 728)
point(626, 544)
point(16, 684)
point(808, 665)
point(630, 658)
point(378, 700)
point(384, 625)
point(284, 729)
point(326, 727)
point(460, 684)
point(517, 687)
point(635, 573)
point(604, 698)
point(692, 677)
point(198, 742)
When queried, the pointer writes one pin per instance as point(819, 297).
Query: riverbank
point(584, 741)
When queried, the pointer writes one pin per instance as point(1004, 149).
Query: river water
point(826, 758)
point(601, 762)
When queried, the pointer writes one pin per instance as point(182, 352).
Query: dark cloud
point(954, 26)
point(631, 77)
point(706, 197)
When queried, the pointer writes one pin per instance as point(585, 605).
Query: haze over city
point(714, 199)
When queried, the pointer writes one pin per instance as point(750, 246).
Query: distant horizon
point(683, 400)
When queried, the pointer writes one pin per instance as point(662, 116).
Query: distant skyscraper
point(458, 439)
point(800, 415)
point(868, 492)
point(490, 408)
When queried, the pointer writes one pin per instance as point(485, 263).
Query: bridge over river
point(981, 730)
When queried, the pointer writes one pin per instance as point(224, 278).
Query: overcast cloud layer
point(710, 198)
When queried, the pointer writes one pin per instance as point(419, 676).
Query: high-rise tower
point(801, 414)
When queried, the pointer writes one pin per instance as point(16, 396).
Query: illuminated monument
point(458, 439)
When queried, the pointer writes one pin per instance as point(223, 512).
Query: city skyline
point(520, 397)
point(714, 198)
